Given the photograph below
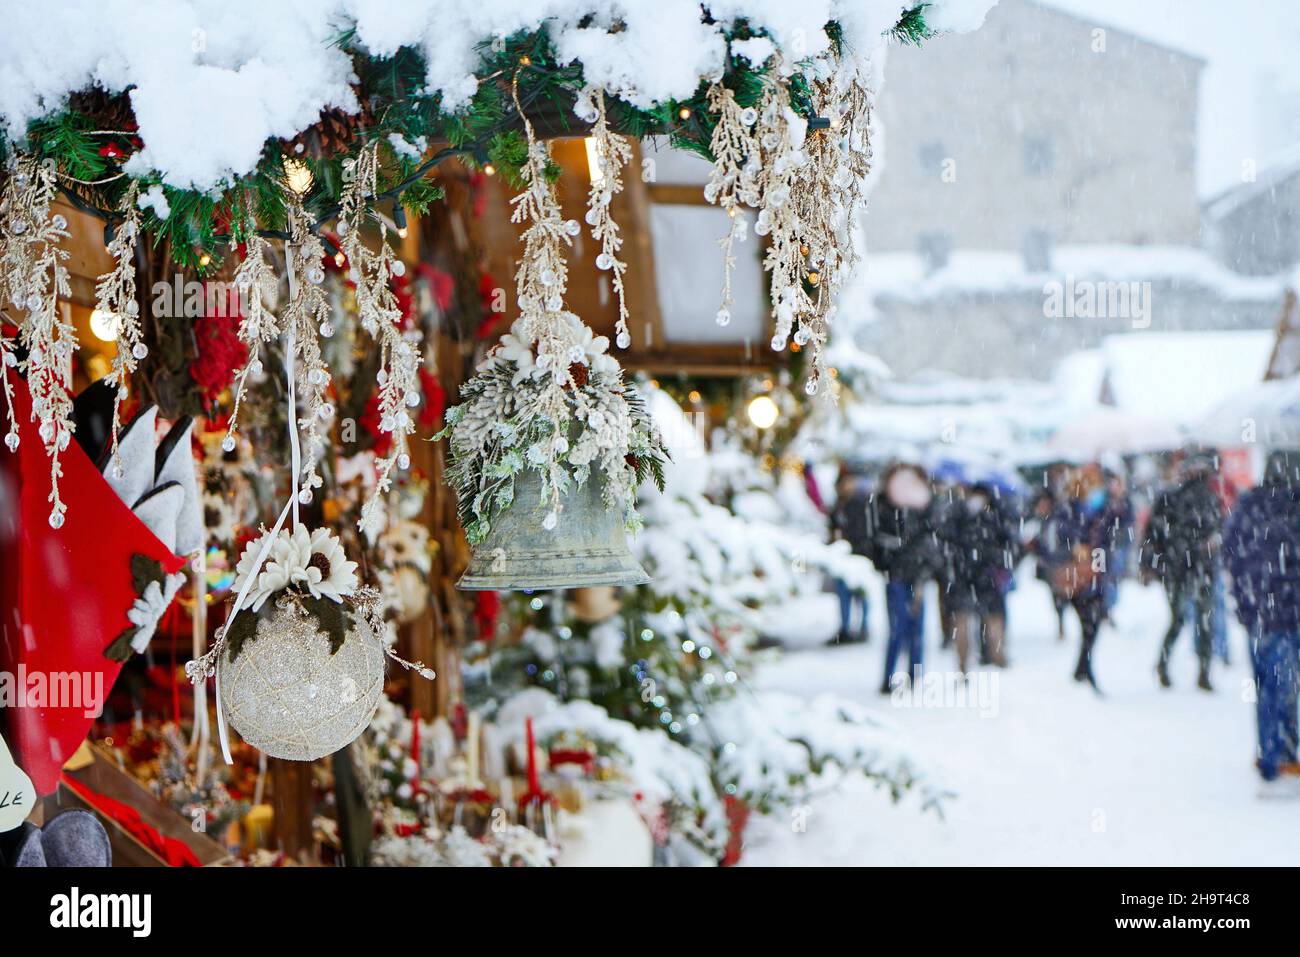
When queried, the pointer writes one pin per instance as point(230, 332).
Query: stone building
point(1043, 152)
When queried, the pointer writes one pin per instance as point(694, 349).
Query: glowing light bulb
point(104, 325)
point(297, 175)
point(762, 411)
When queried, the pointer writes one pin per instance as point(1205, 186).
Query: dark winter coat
point(1261, 548)
point(1182, 538)
point(981, 549)
point(1073, 526)
point(902, 542)
point(849, 522)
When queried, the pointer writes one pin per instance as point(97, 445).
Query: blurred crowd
point(1084, 529)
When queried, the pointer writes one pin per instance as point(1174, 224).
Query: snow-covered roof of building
point(1179, 376)
point(1276, 169)
point(903, 276)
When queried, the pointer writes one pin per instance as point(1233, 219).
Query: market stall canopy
point(1110, 430)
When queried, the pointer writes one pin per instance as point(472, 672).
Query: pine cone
point(578, 372)
point(110, 111)
point(333, 133)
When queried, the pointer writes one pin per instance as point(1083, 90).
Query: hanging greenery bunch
point(502, 428)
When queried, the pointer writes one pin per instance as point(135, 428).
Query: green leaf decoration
point(145, 571)
point(242, 629)
point(333, 617)
point(120, 650)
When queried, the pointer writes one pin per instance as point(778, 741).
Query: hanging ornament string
point(612, 152)
point(32, 278)
point(115, 298)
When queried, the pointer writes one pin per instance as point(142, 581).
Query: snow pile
point(771, 738)
point(212, 80)
point(661, 770)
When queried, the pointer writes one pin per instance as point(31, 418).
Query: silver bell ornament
point(289, 696)
point(587, 546)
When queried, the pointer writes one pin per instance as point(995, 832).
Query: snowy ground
point(1049, 773)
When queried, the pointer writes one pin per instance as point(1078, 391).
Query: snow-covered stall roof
point(1178, 376)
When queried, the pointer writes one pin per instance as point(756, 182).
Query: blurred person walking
point(1181, 548)
point(901, 542)
point(1079, 550)
point(848, 522)
point(1261, 547)
point(981, 549)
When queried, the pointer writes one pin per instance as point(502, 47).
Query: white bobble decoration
point(801, 337)
point(228, 444)
point(399, 268)
point(810, 387)
point(132, 308)
point(59, 222)
point(139, 350)
point(326, 329)
point(723, 317)
point(550, 520)
point(46, 431)
point(547, 277)
point(11, 440)
point(572, 228)
point(778, 343)
point(386, 424)
point(403, 461)
point(412, 399)
point(604, 261)
point(56, 519)
point(305, 497)
point(255, 367)
point(624, 340)
point(11, 360)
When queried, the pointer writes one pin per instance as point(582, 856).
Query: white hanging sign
point(17, 796)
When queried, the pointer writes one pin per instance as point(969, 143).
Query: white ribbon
point(291, 507)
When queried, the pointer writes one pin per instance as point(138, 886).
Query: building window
point(1037, 250)
point(936, 250)
point(931, 155)
point(1039, 155)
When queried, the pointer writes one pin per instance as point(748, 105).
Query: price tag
point(17, 796)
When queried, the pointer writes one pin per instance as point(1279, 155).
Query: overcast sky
point(1240, 40)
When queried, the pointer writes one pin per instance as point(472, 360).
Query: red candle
point(533, 788)
point(415, 741)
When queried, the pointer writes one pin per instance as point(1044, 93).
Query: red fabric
point(172, 852)
point(66, 592)
point(435, 399)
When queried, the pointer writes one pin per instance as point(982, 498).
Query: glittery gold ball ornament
point(287, 695)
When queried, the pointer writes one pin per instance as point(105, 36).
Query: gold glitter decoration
point(288, 696)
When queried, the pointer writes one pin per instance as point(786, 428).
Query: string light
point(489, 169)
point(525, 60)
point(684, 113)
point(297, 175)
point(104, 325)
point(762, 411)
point(204, 260)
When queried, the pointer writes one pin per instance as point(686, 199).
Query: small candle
point(533, 788)
point(471, 749)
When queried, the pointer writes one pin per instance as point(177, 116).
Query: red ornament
point(67, 592)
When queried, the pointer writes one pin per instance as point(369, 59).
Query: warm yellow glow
point(204, 260)
point(103, 325)
point(694, 396)
point(684, 112)
point(489, 169)
point(401, 232)
point(297, 175)
point(593, 162)
point(340, 259)
point(762, 411)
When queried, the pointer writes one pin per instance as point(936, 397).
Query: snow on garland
point(98, 100)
